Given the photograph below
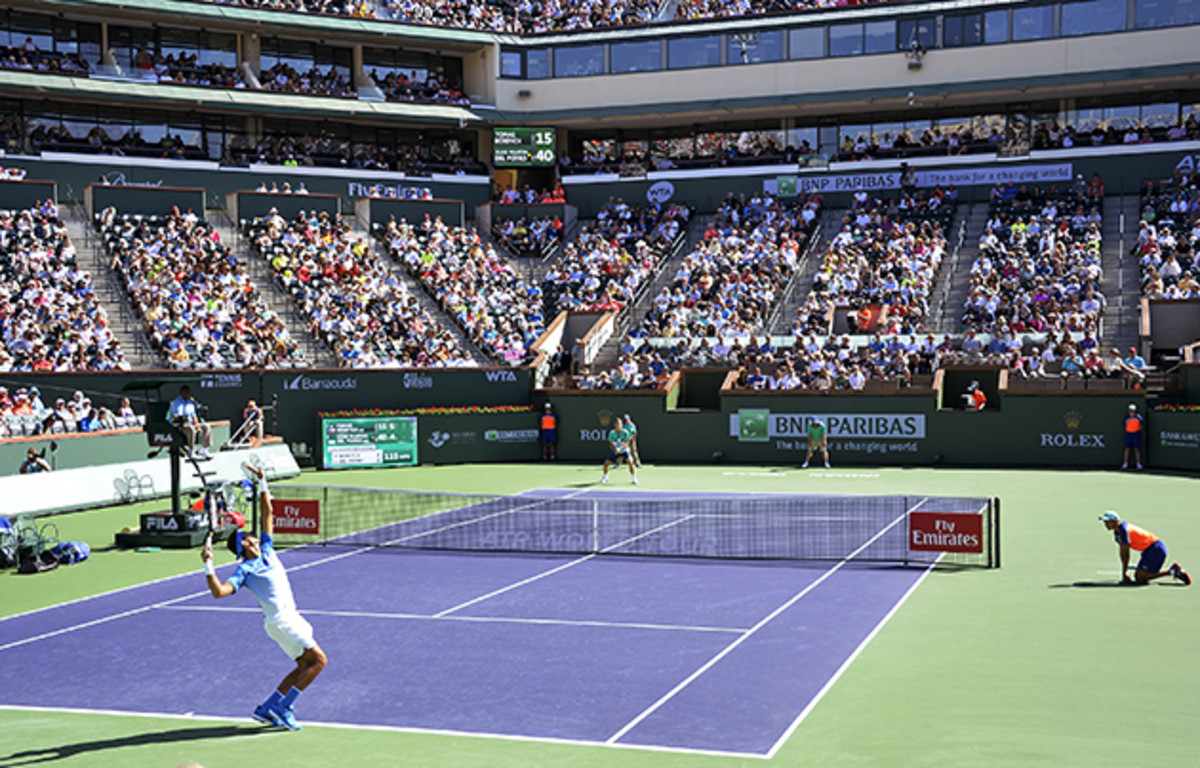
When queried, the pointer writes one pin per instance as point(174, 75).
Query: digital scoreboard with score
point(379, 441)
point(522, 147)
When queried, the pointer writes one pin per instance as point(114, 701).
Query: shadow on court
point(65, 751)
point(1095, 584)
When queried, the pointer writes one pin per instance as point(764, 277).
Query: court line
point(747, 635)
point(389, 729)
point(94, 622)
point(478, 619)
point(562, 567)
point(141, 609)
point(846, 664)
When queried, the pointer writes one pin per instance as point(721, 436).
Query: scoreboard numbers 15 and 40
point(517, 147)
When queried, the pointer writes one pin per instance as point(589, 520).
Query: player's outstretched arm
point(217, 587)
point(264, 499)
point(1124, 560)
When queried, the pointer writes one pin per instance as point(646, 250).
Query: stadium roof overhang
point(20, 84)
point(949, 96)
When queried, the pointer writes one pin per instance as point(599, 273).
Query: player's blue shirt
point(267, 579)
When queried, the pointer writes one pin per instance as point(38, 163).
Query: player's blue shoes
point(285, 718)
point(263, 714)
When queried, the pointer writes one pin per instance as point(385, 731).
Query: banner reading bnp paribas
point(789, 186)
point(851, 432)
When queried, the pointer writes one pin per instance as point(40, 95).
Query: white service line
point(387, 729)
point(747, 634)
point(164, 603)
point(102, 620)
point(562, 567)
point(522, 582)
point(846, 664)
point(477, 619)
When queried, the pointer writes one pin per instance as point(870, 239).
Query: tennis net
point(904, 529)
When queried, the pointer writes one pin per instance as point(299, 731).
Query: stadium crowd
point(730, 282)
point(196, 301)
point(882, 264)
point(1050, 135)
point(284, 78)
point(326, 150)
point(1168, 237)
point(50, 317)
point(352, 301)
point(30, 58)
point(528, 17)
point(24, 413)
point(478, 287)
point(528, 238)
point(1038, 267)
point(185, 69)
point(610, 261)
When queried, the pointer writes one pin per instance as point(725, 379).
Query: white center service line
point(476, 619)
point(564, 566)
point(748, 634)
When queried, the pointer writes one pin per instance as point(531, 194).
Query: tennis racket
point(210, 513)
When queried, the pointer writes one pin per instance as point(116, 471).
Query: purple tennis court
point(685, 654)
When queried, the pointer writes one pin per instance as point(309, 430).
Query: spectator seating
point(353, 302)
point(480, 289)
point(50, 317)
point(1039, 262)
point(730, 282)
point(197, 303)
point(611, 260)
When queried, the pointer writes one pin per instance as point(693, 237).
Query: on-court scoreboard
point(522, 147)
point(371, 441)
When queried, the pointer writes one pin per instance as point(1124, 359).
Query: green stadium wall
point(898, 428)
point(696, 421)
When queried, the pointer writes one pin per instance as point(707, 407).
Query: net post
point(595, 526)
point(324, 516)
point(907, 510)
point(996, 530)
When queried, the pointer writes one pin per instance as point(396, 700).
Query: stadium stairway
point(801, 285)
point(123, 320)
point(379, 251)
point(951, 292)
point(608, 355)
point(1122, 278)
point(317, 354)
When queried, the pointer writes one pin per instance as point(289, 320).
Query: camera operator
point(34, 463)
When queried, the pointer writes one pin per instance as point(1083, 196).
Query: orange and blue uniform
point(1154, 552)
point(549, 428)
point(1133, 430)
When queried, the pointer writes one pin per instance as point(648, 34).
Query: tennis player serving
point(262, 571)
point(618, 448)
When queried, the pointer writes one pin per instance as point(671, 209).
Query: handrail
point(949, 281)
point(789, 289)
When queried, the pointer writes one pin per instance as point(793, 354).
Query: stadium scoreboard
point(372, 441)
point(522, 147)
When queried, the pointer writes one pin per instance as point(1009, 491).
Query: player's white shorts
point(292, 632)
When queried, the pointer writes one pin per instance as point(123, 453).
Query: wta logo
point(945, 532)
